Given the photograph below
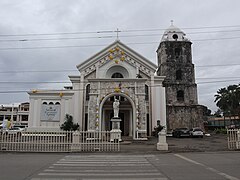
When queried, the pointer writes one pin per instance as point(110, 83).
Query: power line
point(103, 37)
point(40, 71)
point(33, 82)
point(118, 80)
point(75, 70)
point(163, 29)
point(58, 33)
point(51, 39)
point(215, 65)
point(219, 78)
point(53, 47)
point(97, 45)
point(113, 31)
point(207, 82)
point(72, 90)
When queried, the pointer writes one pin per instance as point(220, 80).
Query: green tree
point(228, 100)
point(68, 125)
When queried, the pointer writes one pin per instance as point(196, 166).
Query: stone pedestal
point(115, 133)
point(162, 143)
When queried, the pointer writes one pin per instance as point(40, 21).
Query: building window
point(87, 92)
point(177, 52)
point(57, 103)
point(24, 117)
point(44, 102)
point(180, 95)
point(117, 75)
point(175, 36)
point(179, 74)
point(138, 76)
point(146, 93)
point(86, 122)
point(51, 103)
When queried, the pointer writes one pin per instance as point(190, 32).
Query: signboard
point(50, 112)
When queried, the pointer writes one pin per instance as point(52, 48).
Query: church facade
point(148, 94)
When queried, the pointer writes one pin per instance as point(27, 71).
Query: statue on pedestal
point(116, 132)
point(116, 104)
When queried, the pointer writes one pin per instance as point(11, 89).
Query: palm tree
point(228, 100)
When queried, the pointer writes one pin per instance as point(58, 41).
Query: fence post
point(75, 141)
point(238, 139)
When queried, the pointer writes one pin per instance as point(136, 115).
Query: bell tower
point(175, 63)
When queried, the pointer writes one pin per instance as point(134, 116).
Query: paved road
point(101, 166)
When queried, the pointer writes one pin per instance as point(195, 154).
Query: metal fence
point(233, 139)
point(60, 141)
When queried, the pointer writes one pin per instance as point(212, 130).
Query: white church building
point(116, 72)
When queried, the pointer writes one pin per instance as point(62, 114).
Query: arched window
point(177, 52)
point(117, 75)
point(44, 103)
point(57, 103)
point(179, 74)
point(51, 103)
point(180, 95)
point(87, 92)
point(146, 93)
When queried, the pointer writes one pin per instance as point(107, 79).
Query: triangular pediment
point(118, 53)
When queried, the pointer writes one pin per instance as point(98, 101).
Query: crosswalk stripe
point(90, 174)
point(99, 170)
point(94, 167)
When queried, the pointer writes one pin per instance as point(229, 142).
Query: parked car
point(196, 132)
point(14, 130)
point(180, 132)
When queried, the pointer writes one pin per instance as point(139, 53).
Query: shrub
point(68, 125)
point(220, 131)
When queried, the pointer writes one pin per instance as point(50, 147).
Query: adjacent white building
point(16, 113)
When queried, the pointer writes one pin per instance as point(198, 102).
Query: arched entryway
point(126, 113)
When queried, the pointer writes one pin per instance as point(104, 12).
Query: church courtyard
point(213, 143)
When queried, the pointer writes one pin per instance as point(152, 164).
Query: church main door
point(125, 113)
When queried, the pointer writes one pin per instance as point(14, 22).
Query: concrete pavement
point(216, 142)
point(187, 158)
point(127, 166)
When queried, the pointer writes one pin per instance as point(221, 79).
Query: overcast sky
point(53, 39)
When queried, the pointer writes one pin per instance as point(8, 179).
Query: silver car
point(196, 132)
point(14, 130)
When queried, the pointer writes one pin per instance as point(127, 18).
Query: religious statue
point(116, 104)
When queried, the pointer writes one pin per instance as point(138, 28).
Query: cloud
point(44, 16)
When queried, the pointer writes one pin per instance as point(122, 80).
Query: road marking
point(207, 167)
point(107, 167)
point(101, 170)
point(49, 178)
point(100, 174)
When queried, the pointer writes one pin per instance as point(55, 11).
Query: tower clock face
point(175, 36)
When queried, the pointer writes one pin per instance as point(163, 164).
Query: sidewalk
point(216, 142)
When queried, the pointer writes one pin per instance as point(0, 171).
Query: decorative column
point(160, 112)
